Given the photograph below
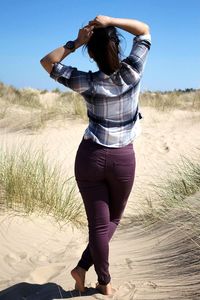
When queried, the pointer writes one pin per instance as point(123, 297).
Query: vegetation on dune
point(184, 181)
point(174, 199)
point(164, 101)
point(22, 179)
point(29, 109)
point(41, 106)
point(24, 97)
point(28, 185)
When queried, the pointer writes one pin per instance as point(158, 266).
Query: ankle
point(105, 289)
point(80, 269)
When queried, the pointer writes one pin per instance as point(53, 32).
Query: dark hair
point(104, 45)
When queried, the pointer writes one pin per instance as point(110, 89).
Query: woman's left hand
point(85, 34)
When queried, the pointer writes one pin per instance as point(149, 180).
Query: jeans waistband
point(99, 146)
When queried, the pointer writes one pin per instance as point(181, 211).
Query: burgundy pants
point(105, 178)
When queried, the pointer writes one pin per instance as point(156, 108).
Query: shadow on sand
point(48, 291)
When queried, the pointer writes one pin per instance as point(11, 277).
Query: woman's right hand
point(85, 34)
point(100, 21)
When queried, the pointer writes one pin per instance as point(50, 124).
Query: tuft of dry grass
point(44, 106)
point(29, 185)
point(166, 101)
point(170, 199)
point(184, 181)
point(24, 97)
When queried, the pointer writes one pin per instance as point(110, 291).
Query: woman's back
point(111, 100)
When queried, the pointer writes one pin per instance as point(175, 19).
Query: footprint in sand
point(58, 256)
point(129, 263)
point(14, 258)
point(39, 258)
point(43, 274)
point(163, 147)
point(126, 291)
point(151, 284)
point(54, 257)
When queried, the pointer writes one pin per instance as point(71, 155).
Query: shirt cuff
point(59, 70)
point(143, 37)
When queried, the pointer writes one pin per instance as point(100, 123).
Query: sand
point(160, 262)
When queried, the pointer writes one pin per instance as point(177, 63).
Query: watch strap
point(66, 46)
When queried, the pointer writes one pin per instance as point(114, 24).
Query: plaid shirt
point(111, 100)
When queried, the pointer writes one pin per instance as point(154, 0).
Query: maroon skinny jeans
point(105, 178)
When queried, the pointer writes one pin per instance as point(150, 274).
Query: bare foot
point(105, 289)
point(79, 276)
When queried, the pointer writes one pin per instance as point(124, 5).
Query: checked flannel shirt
point(111, 100)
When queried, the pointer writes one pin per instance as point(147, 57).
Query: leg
point(119, 182)
point(120, 177)
point(86, 260)
point(96, 201)
point(89, 173)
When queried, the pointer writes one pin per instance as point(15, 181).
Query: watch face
point(70, 45)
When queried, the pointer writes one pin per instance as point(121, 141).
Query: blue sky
point(31, 29)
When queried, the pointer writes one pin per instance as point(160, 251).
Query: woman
point(105, 161)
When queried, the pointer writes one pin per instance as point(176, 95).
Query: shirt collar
point(116, 77)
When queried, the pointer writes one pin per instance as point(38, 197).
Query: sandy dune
point(158, 263)
point(161, 262)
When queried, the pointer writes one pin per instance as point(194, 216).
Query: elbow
point(146, 29)
point(42, 61)
point(48, 66)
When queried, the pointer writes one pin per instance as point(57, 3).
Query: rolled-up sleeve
point(138, 55)
point(71, 77)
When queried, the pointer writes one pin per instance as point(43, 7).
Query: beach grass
point(27, 97)
point(166, 101)
point(32, 109)
point(42, 106)
point(29, 185)
point(175, 198)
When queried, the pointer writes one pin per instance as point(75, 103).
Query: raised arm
point(141, 43)
point(132, 26)
point(60, 53)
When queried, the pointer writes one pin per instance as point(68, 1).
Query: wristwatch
point(70, 45)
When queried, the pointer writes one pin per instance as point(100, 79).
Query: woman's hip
point(92, 160)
